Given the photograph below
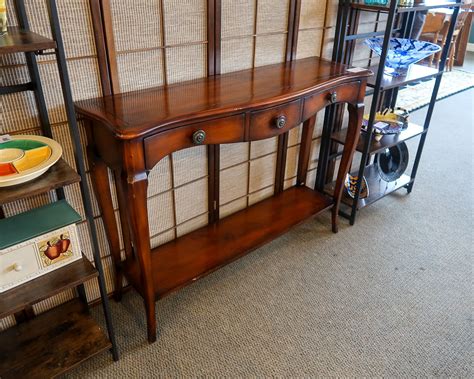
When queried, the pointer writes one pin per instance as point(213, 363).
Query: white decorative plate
point(25, 157)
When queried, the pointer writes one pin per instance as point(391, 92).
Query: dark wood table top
point(139, 113)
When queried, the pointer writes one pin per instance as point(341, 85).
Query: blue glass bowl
point(402, 53)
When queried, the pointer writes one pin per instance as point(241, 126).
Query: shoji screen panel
point(314, 31)
point(254, 33)
point(163, 42)
point(19, 114)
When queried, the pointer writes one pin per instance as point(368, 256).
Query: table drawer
point(38, 256)
point(223, 130)
point(273, 121)
point(344, 93)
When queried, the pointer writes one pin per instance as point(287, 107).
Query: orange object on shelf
point(7, 169)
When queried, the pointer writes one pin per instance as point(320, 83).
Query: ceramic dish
point(402, 53)
point(25, 157)
point(351, 186)
point(392, 162)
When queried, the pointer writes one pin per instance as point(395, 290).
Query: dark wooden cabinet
point(132, 132)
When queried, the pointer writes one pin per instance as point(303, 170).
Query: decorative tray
point(25, 157)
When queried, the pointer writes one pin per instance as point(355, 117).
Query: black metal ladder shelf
point(22, 40)
point(384, 91)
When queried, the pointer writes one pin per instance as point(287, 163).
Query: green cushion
point(38, 221)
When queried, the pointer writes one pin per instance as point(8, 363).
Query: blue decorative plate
point(351, 186)
point(402, 53)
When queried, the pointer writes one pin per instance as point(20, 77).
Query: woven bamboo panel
point(142, 69)
point(185, 21)
point(311, 178)
point(233, 183)
point(6, 323)
point(233, 207)
point(162, 238)
point(318, 127)
point(18, 112)
point(76, 26)
point(92, 287)
point(238, 18)
point(189, 226)
point(24, 205)
point(289, 183)
point(119, 227)
point(86, 242)
point(185, 63)
point(262, 172)
point(328, 43)
point(331, 17)
point(237, 54)
point(261, 195)
point(12, 60)
point(270, 49)
point(314, 156)
point(161, 213)
point(233, 154)
point(189, 165)
point(62, 135)
point(272, 16)
point(85, 83)
point(191, 200)
point(294, 136)
point(312, 14)
point(263, 147)
point(292, 161)
point(309, 43)
point(53, 301)
point(132, 23)
point(159, 179)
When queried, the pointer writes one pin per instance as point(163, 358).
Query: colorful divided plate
point(25, 157)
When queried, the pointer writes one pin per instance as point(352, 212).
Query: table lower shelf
point(198, 253)
point(51, 344)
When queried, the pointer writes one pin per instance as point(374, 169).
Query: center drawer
point(273, 121)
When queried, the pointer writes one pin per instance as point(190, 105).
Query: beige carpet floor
point(388, 297)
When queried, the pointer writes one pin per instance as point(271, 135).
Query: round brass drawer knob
point(199, 137)
point(280, 122)
point(333, 98)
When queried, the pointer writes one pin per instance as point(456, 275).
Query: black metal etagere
point(384, 90)
point(21, 40)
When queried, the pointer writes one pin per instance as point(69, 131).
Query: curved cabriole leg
point(100, 181)
point(356, 113)
point(135, 186)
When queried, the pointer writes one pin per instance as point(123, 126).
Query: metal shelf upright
point(33, 330)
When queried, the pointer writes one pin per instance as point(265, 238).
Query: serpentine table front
point(131, 132)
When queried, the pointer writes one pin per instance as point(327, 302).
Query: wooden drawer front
point(341, 94)
point(223, 130)
point(273, 121)
point(16, 266)
point(38, 256)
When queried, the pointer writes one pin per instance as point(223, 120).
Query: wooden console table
point(132, 132)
